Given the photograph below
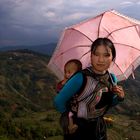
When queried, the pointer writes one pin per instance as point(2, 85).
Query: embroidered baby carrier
point(95, 97)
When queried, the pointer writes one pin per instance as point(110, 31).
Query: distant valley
point(44, 48)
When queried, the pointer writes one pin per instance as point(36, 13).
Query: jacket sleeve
point(71, 87)
point(116, 98)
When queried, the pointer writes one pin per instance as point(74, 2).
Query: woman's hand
point(118, 90)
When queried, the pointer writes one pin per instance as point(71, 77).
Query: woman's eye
point(107, 55)
point(96, 54)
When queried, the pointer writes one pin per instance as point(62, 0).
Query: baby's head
point(71, 67)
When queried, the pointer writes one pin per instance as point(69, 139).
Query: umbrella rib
point(84, 55)
point(118, 67)
point(133, 64)
point(127, 46)
point(70, 50)
point(100, 23)
point(131, 67)
point(121, 29)
point(81, 33)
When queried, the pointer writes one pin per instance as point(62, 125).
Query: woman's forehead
point(102, 48)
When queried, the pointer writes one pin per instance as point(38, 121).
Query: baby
point(71, 67)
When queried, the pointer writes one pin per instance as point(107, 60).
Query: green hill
point(25, 82)
point(27, 89)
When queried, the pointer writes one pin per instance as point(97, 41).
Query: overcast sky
point(33, 22)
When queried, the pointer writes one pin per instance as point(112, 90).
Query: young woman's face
point(101, 59)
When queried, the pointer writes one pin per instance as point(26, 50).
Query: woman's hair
point(106, 42)
point(75, 61)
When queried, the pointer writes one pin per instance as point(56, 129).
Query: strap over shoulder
point(89, 72)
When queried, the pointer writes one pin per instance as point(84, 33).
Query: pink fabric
point(76, 40)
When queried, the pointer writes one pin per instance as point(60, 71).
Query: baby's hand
point(64, 81)
point(118, 90)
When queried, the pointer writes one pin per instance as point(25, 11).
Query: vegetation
point(27, 89)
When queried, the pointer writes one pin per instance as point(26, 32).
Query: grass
point(55, 138)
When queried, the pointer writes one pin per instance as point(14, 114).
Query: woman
point(99, 94)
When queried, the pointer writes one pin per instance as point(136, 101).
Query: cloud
point(8, 42)
point(50, 14)
point(138, 2)
point(40, 21)
point(126, 3)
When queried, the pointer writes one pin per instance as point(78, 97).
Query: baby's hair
point(77, 62)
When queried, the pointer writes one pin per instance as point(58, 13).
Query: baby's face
point(70, 69)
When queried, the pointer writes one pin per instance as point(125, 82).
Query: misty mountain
point(44, 49)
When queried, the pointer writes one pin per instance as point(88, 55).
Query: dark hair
point(106, 42)
point(77, 62)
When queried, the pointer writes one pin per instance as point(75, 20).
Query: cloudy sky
point(33, 22)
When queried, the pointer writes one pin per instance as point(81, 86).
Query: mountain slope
point(44, 49)
point(25, 82)
point(131, 104)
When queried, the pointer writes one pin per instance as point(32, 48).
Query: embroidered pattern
point(90, 98)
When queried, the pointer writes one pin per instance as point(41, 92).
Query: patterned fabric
point(96, 87)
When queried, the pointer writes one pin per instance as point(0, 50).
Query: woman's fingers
point(118, 90)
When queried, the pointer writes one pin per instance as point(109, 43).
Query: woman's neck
point(99, 72)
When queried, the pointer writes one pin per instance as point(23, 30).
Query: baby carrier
point(81, 100)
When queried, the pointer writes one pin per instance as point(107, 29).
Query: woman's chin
point(99, 71)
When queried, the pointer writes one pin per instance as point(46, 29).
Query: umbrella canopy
point(75, 43)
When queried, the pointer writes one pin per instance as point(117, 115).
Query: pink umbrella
point(76, 40)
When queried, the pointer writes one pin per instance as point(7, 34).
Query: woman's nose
point(101, 59)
